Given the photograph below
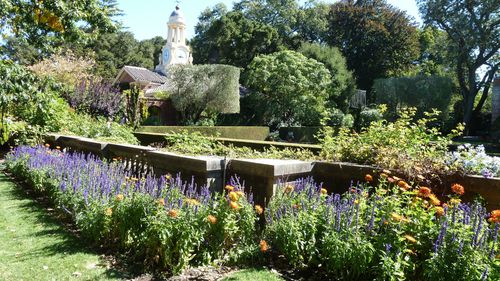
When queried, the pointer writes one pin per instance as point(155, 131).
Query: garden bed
point(381, 228)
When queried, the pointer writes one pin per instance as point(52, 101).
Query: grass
point(35, 246)
point(253, 275)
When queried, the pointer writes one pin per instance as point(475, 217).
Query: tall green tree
point(377, 39)
point(473, 28)
point(46, 24)
point(235, 40)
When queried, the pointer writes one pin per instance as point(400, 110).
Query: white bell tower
point(175, 50)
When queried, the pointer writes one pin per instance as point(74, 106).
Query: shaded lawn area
point(253, 275)
point(35, 246)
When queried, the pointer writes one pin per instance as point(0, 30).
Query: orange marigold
point(495, 213)
point(368, 178)
point(229, 187)
point(233, 196)
point(424, 191)
point(458, 189)
point(119, 197)
point(439, 211)
point(263, 246)
point(240, 193)
point(173, 213)
point(234, 205)
point(259, 210)
point(212, 219)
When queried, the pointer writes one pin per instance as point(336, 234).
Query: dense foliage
point(411, 147)
point(47, 24)
point(422, 92)
point(377, 39)
point(290, 87)
point(203, 91)
point(473, 29)
point(31, 105)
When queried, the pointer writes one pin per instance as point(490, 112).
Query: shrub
point(411, 147)
point(203, 91)
point(290, 87)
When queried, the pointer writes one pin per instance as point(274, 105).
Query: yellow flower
point(173, 213)
point(47, 145)
point(410, 239)
point(356, 202)
point(386, 172)
point(288, 188)
point(119, 197)
point(108, 212)
point(233, 196)
point(192, 201)
point(258, 209)
point(396, 217)
point(434, 200)
point(58, 147)
point(324, 191)
point(168, 176)
point(240, 193)
point(212, 219)
point(454, 202)
point(229, 187)
point(439, 211)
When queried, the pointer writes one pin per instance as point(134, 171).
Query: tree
point(343, 83)
point(46, 24)
point(199, 91)
point(473, 28)
point(377, 39)
point(235, 40)
point(291, 87)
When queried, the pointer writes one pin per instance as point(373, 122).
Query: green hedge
point(231, 132)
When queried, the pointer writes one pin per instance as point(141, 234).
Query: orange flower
point(173, 213)
point(288, 188)
point(424, 191)
point(263, 246)
point(434, 200)
point(404, 185)
point(229, 187)
point(259, 210)
point(58, 147)
point(234, 205)
point(495, 213)
point(240, 193)
point(47, 145)
point(233, 196)
point(458, 189)
point(439, 211)
point(161, 202)
point(119, 197)
point(108, 212)
point(368, 178)
point(410, 238)
point(324, 191)
point(212, 219)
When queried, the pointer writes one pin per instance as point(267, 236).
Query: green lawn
point(253, 275)
point(35, 246)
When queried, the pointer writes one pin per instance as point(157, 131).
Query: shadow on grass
point(51, 224)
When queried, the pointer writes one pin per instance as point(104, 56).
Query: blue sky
point(148, 18)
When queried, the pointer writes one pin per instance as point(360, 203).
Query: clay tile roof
point(143, 74)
